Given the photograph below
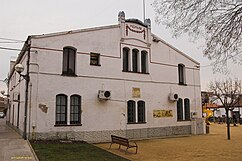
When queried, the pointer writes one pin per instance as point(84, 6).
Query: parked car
point(2, 115)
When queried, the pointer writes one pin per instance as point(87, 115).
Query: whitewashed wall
point(111, 115)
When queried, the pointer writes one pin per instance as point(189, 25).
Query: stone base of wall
point(158, 132)
point(198, 126)
point(104, 136)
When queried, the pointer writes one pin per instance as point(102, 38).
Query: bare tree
point(228, 92)
point(219, 21)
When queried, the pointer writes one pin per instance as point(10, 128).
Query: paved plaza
point(12, 146)
point(210, 147)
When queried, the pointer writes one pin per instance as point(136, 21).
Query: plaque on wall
point(136, 93)
point(162, 113)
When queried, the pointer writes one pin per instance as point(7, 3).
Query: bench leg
point(136, 150)
point(126, 150)
point(119, 146)
point(110, 145)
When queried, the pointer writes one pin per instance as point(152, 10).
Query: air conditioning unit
point(104, 94)
point(173, 97)
point(193, 115)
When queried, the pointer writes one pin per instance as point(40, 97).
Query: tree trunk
point(228, 123)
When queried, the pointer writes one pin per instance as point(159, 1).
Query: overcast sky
point(18, 19)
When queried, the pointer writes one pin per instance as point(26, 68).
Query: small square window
point(95, 59)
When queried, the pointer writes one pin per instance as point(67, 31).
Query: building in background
point(119, 79)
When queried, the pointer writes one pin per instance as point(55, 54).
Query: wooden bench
point(124, 142)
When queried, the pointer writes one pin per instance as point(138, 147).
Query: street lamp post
point(20, 68)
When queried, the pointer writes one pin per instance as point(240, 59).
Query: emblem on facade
point(134, 28)
point(136, 92)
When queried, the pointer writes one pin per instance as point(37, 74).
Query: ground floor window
point(61, 109)
point(62, 114)
point(135, 111)
point(183, 111)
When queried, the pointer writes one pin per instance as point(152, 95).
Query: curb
point(32, 150)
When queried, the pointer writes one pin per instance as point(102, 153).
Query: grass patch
point(75, 151)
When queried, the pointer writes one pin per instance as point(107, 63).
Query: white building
point(137, 76)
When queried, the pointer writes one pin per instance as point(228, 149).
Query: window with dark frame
point(131, 111)
point(141, 111)
point(125, 59)
point(181, 74)
point(95, 59)
point(187, 109)
point(135, 60)
point(75, 109)
point(69, 61)
point(179, 110)
point(144, 62)
point(61, 109)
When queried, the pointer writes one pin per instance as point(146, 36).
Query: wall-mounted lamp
point(3, 93)
point(20, 68)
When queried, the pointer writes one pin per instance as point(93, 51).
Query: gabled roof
point(75, 31)
point(157, 39)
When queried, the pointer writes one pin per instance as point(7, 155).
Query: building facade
point(119, 79)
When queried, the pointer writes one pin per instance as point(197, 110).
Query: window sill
point(182, 84)
point(134, 72)
point(64, 125)
point(95, 65)
point(69, 75)
point(136, 123)
point(183, 120)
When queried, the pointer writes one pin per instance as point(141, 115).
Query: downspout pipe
point(27, 80)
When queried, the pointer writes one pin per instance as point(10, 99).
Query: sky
point(19, 19)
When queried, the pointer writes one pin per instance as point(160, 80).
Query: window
point(141, 111)
point(61, 109)
point(125, 59)
point(183, 112)
point(131, 111)
point(181, 74)
point(69, 59)
point(75, 109)
point(144, 61)
point(179, 110)
point(135, 60)
point(95, 59)
point(187, 108)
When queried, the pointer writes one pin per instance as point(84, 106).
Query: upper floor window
point(126, 59)
point(181, 74)
point(69, 60)
point(144, 61)
point(95, 59)
point(61, 109)
point(135, 60)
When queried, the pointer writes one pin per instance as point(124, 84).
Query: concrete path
point(12, 146)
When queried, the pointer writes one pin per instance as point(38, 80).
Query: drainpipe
point(27, 79)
